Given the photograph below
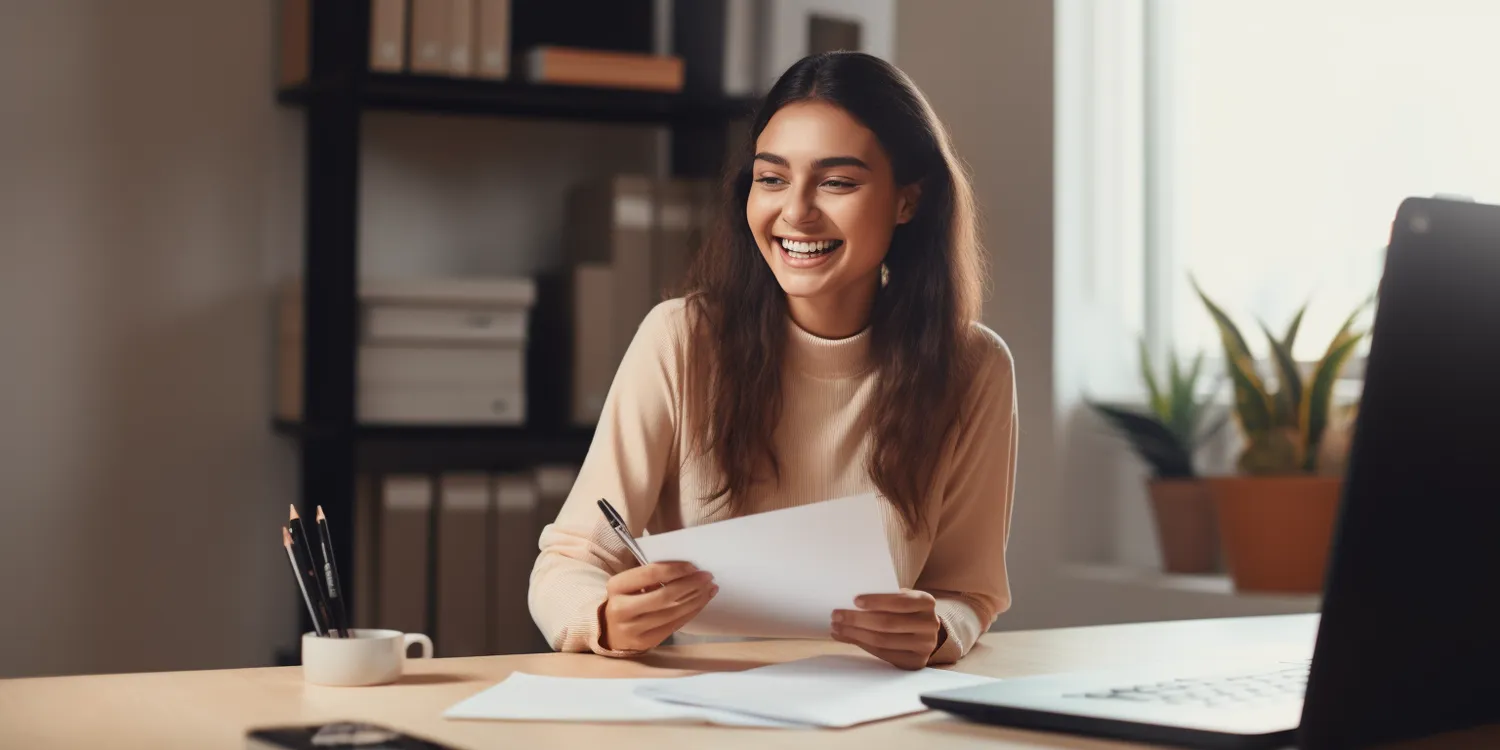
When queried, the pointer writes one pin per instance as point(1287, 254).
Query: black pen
point(617, 522)
point(332, 582)
point(312, 611)
point(307, 561)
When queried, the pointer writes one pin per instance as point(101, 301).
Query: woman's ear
point(906, 202)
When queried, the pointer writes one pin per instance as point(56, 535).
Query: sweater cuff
point(960, 628)
point(595, 628)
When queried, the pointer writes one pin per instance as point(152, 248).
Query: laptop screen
point(1409, 640)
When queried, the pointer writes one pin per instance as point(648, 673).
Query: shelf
point(434, 448)
point(473, 96)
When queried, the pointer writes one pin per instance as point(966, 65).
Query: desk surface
point(213, 709)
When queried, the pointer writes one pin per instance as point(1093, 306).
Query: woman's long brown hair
point(922, 325)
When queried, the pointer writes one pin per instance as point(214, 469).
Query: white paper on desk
point(782, 573)
point(527, 697)
point(828, 691)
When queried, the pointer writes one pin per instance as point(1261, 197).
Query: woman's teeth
point(798, 249)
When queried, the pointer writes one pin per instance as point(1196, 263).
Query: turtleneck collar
point(828, 359)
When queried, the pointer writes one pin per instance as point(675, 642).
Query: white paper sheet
point(828, 691)
point(782, 573)
point(527, 697)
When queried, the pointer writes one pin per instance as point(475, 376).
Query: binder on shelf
point(553, 483)
point(640, 232)
point(612, 222)
point(294, 42)
point(493, 24)
point(720, 44)
point(591, 318)
point(431, 34)
point(461, 38)
point(513, 543)
point(574, 66)
point(406, 508)
point(388, 36)
point(367, 512)
point(462, 585)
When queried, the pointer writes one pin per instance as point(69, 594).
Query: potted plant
point(1166, 436)
point(1276, 514)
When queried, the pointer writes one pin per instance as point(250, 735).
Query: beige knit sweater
point(636, 461)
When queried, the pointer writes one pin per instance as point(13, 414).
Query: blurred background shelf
point(400, 92)
point(437, 448)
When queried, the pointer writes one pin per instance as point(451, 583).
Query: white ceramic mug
point(371, 657)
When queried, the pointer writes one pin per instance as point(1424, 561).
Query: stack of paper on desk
point(782, 573)
point(825, 691)
point(527, 697)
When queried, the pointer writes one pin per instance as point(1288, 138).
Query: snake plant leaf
point(1288, 398)
point(1151, 440)
point(1252, 403)
point(1273, 452)
point(1346, 330)
point(1187, 412)
point(1291, 330)
point(1180, 396)
point(1319, 396)
point(1158, 401)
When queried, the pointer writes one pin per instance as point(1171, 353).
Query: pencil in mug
point(286, 541)
point(306, 563)
point(334, 584)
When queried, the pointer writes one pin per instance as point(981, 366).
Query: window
point(1276, 139)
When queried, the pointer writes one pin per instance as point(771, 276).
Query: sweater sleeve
point(627, 462)
point(965, 570)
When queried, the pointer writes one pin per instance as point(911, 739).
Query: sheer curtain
point(1282, 136)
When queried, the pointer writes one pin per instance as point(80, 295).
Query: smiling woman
point(822, 211)
point(829, 344)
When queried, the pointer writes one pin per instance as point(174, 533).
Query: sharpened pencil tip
point(320, 514)
point(286, 537)
point(294, 511)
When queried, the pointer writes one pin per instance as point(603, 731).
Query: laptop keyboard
point(1243, 690)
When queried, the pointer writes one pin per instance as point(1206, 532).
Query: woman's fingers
point(896, 657)
point(646, 577)
point(885, 622)
point(687, 611)
point(916, 642)
point(903, 601)
point(687, 606)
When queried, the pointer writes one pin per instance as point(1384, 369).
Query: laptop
point(1408, 637)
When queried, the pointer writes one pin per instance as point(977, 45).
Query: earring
point(885, 275)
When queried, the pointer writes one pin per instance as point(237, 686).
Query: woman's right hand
point(646, 604)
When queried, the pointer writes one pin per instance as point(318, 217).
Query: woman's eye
point(838, 184)
point(769, 180)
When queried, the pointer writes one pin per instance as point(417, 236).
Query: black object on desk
point(1406, 645)
point(337, 735)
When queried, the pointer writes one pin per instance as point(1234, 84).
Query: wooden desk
point(213, 709)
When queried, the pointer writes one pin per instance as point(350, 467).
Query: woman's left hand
point(901, 628)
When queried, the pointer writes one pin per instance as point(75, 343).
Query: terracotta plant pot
point(1276, 531)
point(1186, 525)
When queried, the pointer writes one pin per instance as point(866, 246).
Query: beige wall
point(139, 491)
point(986, 67)
point(150, 194)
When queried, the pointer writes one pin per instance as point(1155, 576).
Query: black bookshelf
point(333, 447)
point(511, 98)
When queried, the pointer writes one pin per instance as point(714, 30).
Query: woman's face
point(823, 204)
